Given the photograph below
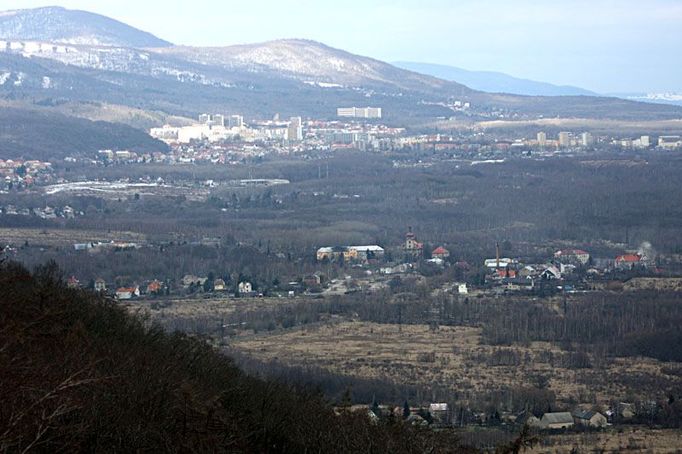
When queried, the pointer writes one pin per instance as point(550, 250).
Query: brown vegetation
point(79, 375)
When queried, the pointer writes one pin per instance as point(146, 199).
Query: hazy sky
point(602, 45)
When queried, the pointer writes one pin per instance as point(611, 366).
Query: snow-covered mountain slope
point(109, 58)
point(304, 61)
point(60, 25)
point(311, 61)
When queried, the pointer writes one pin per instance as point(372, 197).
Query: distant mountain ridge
point(81, 57)
point(60, 25)
point(494, 82)
point(311, 61)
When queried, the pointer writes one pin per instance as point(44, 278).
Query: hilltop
point(60, 25)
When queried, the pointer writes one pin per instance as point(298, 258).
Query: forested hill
point(32, 134)
point(80, 375)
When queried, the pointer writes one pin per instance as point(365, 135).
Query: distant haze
point(493, 82)
point(601, 45)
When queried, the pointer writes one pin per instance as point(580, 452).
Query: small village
point(368, 268)
point(440, 415)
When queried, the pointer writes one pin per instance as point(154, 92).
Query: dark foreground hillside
point(78, 374)
point(31, 134)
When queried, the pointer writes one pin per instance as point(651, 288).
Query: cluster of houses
point(569, 269)
point(217, 285)
point(47, 212)
point(358, 254)
point(412, 248)
point(156, 287)
point(21, 174)
point(435, 414)
point(440, 415)
point(562, 268)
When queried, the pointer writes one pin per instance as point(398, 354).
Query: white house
point(560, 420)
point(126, 293)
point(551, 273)
point(245, 288)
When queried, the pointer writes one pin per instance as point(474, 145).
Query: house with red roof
point(126, 293)
point(629, 261)
point(73, 282)
point(505, 273)
point(440, 253)
point(154, 287)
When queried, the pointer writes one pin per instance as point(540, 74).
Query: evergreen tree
point(406, 410)
point(347, 399)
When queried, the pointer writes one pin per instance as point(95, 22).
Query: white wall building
point(359, 112)
point(245, 288)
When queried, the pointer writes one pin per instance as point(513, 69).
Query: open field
point(453, 357)
point(117, 190)
point(627, 440)
point(209, 307)
point(654, 284)
point(218, 315)
point(64, 237)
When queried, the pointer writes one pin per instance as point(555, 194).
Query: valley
point(283, 246)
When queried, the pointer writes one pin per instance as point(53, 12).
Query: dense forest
point(47, 136)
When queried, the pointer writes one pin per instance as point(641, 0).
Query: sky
point(607, 46)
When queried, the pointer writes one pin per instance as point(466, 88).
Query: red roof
point(440, 250)
point(629, 258)
point(506, 273)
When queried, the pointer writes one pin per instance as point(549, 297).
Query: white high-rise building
point(295, 129)
point(236, 121)
point(218, 120)
point(564, 139)
point(542, 139)
point(587, 140)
